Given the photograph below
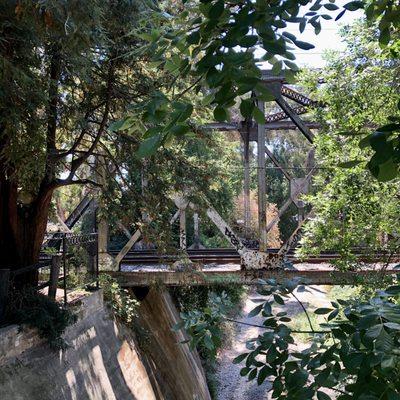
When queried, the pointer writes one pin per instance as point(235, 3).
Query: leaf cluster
point(212, 42)
point(204, 325)
point(354, 354)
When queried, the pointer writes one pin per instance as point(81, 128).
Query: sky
point(327, 39)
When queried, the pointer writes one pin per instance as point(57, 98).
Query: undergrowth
point(28, 307)
point(123, 304)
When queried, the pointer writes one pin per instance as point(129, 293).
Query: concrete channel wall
point(103, 360)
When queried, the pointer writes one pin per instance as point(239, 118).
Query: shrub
point(123, 304)
point(39, 311)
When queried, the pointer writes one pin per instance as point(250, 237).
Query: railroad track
point(222, 256)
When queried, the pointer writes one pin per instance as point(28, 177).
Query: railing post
point(4, 288)
point(54, 275)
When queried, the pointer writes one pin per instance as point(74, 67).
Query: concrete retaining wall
point(102, 362)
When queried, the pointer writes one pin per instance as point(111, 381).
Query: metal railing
point(53, 267)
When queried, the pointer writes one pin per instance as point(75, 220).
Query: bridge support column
point(246, 182)
point(262, 201)
point(166, 347)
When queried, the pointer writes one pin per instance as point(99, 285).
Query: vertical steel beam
point(145, 184)
point(182, 229)
point(262, 203)
point(196, 236)
point(102, 224)
point(246, 182)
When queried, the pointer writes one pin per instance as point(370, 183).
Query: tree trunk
point(22, 229)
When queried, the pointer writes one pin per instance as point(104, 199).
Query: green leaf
point(297, 379)
point(352, 361)
point(393, 290)
point(384, 37)
point(367, 321)
point(267, 308)
point(262, 375)
point(221, 114)
point(244, 371)
point(207, 99)
point(388, 362)
point(374, 331)
point(304, 45)
point(350, 164)
point(149, 146)
point(331, 6)
point(340, 15)
point(240, 358)
point(255, 311)
point(291, 65)
point(322, 310)
point(179, 130)
point(391, 395)
point(354, 5)
point(384, 342)
point(333, 314)
point(322, 395)
point(182, 111)
point(258, 116)
point(247, 107)
point(289, 36)
point(208, 342)
point(120, 125)
point(216, 10)
point(252, 374)
point(193, 38)
point(388, 171)
point(248, 41)
point(272, 354)
point(279, 299)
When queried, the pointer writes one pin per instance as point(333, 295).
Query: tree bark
point(22, 229)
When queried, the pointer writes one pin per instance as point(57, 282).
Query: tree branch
point(75, 164)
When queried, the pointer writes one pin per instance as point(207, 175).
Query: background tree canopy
point(353, 210)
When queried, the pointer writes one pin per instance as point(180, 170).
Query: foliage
point(211, 44)
point(123, 304)
point(197, 297)
point(204, 325)
point(384, 142)
point(39, 311)
point(354, 353)
point(66, 72)
point(351, 210)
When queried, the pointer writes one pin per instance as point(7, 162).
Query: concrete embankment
point(104, 360)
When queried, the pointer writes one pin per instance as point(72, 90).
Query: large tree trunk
point(22, 229)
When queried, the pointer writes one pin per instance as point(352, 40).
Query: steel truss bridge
point(260, 263)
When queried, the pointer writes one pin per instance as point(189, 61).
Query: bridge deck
point(233, 275)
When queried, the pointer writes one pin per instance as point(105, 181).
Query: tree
point(351, 210)
point(63, 78)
